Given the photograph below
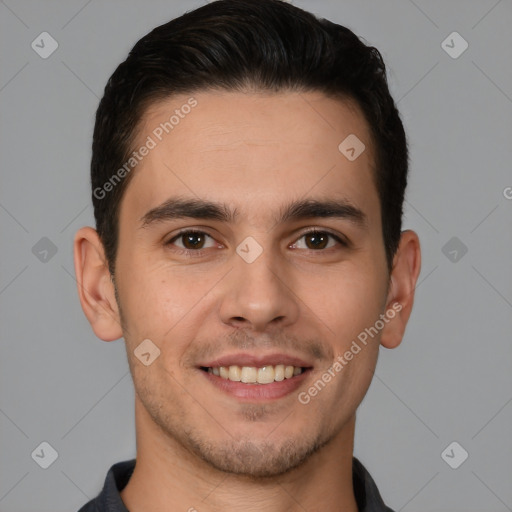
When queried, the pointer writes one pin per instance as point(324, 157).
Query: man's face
point(211, 299)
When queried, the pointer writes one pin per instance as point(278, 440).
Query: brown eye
point(190, 240)
point(317, 240)
point(193, 241)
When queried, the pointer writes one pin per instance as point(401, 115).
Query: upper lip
point(257, 360)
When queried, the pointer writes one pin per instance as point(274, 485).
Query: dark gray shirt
point(367, 495)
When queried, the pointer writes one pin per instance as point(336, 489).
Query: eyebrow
point(178, 208)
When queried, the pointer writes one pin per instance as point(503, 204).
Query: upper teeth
point(251, 374)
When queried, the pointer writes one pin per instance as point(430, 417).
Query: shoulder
point(109, 499)
point(366, 492)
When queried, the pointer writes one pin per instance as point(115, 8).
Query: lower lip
point(257, 392)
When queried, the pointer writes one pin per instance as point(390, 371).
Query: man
point(248, 174)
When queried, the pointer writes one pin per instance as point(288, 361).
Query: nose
point(259, 295)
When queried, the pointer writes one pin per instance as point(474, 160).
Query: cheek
point(346, 303)
point(159, 300)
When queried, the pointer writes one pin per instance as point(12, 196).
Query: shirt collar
point(367, 495)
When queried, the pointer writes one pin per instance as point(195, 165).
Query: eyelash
point(199, 252)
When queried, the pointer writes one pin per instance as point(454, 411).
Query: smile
point(254, 375)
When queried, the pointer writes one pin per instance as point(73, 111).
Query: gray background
point(451, 378)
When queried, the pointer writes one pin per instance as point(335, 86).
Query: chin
point(256, 460)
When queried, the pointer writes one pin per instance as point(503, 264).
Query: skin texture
point(197, 446)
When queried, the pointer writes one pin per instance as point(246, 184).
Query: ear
point(404, 275)
point(95, 287)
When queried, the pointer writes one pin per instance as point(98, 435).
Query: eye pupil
point(189, 239)
point(319, 240)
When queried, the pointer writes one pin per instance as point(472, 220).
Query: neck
point(167, 477)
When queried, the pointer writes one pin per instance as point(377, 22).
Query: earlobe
point(94, 284)
point(403, 279)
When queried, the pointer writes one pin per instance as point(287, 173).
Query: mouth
point(263, 375)
point(255, 378)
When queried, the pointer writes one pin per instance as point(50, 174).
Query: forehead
point(252, 150)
